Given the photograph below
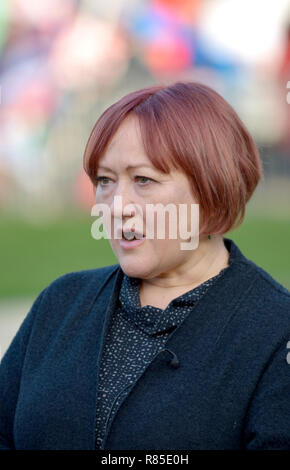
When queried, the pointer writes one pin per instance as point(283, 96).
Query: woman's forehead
point(126, 161)
point(126, 151)
point(128, 133)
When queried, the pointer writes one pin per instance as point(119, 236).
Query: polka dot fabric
point(136, 334)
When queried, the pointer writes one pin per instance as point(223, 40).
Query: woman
point(171, 348)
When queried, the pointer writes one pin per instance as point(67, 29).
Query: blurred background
point(62, 62)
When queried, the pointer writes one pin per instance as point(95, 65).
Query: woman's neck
point(209, 261)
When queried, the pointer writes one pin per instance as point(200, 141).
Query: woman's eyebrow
point(129, 167)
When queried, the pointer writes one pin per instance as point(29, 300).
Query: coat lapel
point(208, 321)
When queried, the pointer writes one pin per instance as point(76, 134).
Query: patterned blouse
point(136, 334)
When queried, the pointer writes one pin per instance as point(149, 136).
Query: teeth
point(138, 236)
point(130, 235)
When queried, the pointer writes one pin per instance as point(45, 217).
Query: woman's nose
point(122, 208)
point(122, 204)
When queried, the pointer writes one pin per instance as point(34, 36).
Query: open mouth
point(131, 235)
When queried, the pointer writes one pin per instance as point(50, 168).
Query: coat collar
point(236, 260)
point(208, 320)
point(153, 320)
point(223, 295)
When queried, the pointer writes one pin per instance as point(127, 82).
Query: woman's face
point(125, 170)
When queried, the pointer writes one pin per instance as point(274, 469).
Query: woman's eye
point(142, 178)
point(102, 180)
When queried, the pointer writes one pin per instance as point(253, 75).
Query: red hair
point(190, 127)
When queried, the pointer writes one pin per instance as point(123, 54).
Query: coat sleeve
point(10, 376)
point(268, 418)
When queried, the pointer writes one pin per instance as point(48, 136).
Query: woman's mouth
point(131, 239)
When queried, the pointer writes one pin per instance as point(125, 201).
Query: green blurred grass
point(32, 255)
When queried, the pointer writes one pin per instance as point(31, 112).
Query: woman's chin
point(136, 268)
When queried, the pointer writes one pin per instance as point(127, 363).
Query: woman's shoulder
point(78, 279)
point(68, 296)
point(267, 302)
point(272, 294)
point(74, 288)
point(264, 301)
point(270, 285)
point(262, 280)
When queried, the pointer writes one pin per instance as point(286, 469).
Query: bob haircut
point(189, 127)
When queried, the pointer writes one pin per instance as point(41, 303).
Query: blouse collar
point(154, 320)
